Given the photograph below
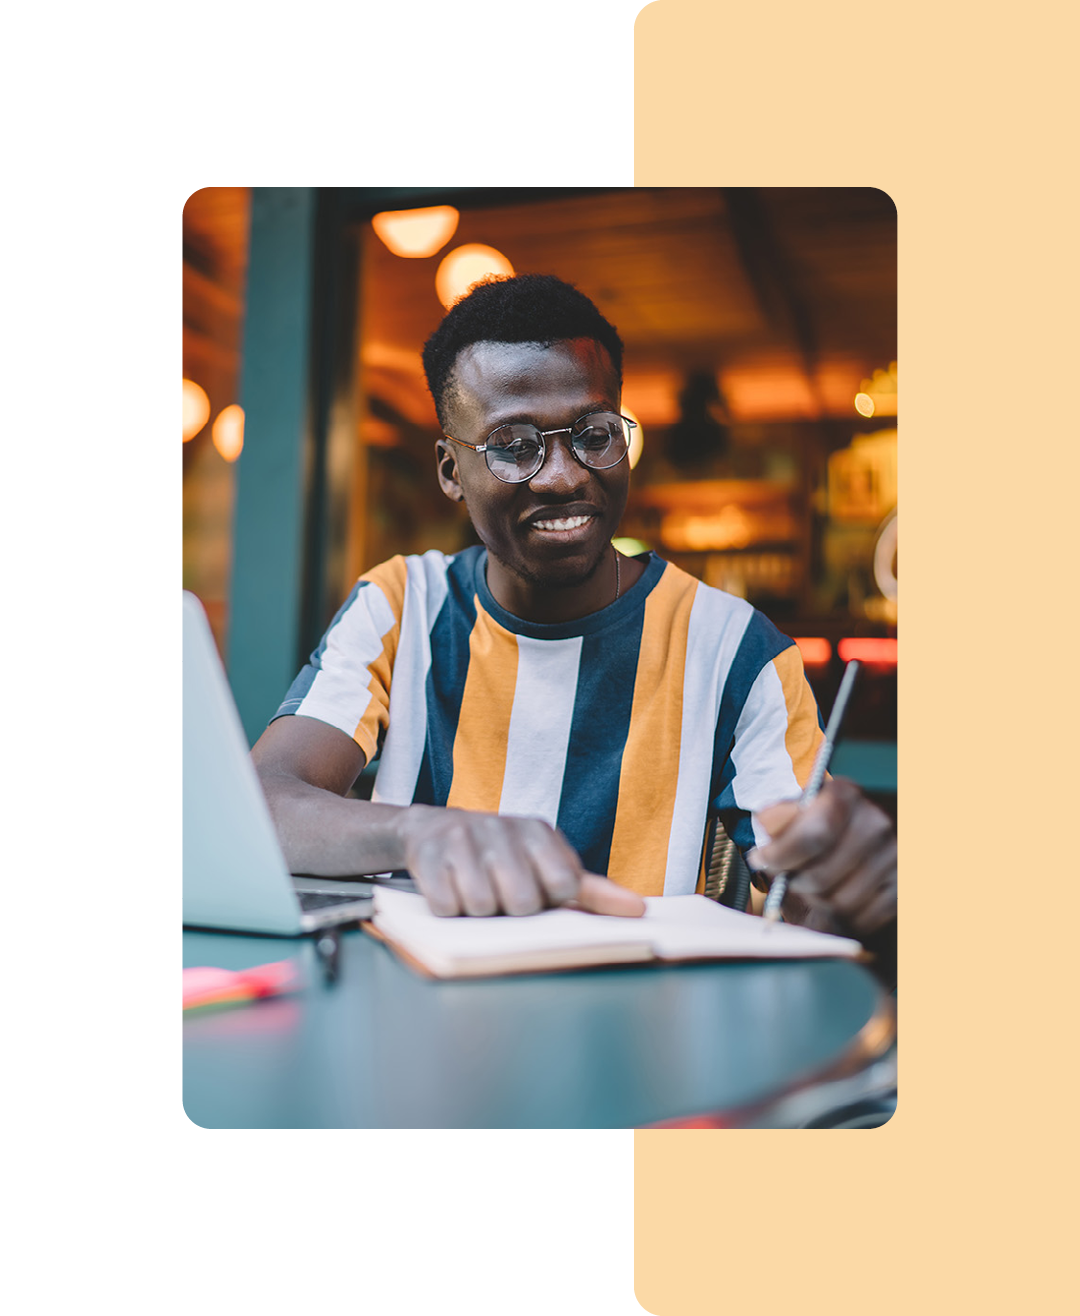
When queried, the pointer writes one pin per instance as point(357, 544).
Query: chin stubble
point(534, 577)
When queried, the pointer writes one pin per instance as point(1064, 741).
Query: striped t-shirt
point(621, 728)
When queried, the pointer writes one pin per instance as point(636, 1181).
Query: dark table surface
point(382, 1047)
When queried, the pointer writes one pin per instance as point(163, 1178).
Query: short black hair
point(521, 308)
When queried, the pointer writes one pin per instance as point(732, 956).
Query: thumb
point(599, 896)
point(777, 817)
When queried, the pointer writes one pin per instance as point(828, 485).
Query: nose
point(561, 474)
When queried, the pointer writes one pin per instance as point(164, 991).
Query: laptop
point(235, 875)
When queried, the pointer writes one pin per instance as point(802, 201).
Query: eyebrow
point(523, 418)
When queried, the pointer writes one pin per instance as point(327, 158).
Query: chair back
point(727, 878)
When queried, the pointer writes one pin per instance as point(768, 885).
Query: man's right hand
point(484, 863)
point(463, 862)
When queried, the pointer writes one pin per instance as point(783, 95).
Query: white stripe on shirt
point(717, 625)
point(539, 734)
point(764, 773)
point(339, 691)
point(403, 750)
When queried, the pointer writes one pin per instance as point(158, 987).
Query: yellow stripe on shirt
point(650, 772)
point(803, 735)
point(390, 577)
point(484, 722)
point(377, 715)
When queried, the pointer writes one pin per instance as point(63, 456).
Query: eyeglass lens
point(516, 452)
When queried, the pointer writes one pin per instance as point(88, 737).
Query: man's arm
point(463, 862)
point(306, 767)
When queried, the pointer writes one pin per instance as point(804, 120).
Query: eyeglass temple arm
point(476, 447)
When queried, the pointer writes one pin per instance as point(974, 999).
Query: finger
point(437, 888)
point(819, 918)
point(865, 900)
point(878, 907)
point(430, 850)
point(475, 891)
point(597, 895)
point(776, 817)
point(511, 872)
point(555, 863)
point(812, 832)
point(863, 857)
point(431, 873)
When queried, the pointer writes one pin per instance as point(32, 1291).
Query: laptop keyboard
point(311, 900)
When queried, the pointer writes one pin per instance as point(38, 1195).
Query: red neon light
point(873, 650)
point(815, 650)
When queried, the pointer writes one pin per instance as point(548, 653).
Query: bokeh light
point(630, 547)
point(637, 439)
point(864, 404)
point(814, 649)
point(416, 233)
point(228, 432)
point(465, 266)
point(196, 409)
point(873, 650)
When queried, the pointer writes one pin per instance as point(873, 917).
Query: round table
point(382, 1047)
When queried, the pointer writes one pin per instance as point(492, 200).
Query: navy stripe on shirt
point(760, 644)
point(601, 722)
point(445, 683)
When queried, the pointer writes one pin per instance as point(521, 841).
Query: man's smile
point(564, 523)
point(569, 524)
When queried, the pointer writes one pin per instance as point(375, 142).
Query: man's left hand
point(840, 854)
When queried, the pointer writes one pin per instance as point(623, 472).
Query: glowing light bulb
point(465, 266)
point(416, 232)
point(196, 409)
point(228, 432)
point(864, 404)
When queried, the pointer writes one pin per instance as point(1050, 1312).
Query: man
point(555, 719)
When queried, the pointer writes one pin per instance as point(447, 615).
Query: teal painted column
point(276, 465)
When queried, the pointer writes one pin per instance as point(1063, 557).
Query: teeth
point(567, 523)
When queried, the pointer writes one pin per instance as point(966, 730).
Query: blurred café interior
point(760, 335)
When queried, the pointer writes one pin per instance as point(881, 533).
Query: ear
point(446, 468)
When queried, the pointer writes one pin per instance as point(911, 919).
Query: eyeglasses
point(514, 453)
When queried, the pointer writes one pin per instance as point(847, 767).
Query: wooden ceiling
point(787, 296)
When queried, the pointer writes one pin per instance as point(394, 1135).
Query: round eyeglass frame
point(544, 434)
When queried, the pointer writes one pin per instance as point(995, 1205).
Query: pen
point(327, 950)
point(778, 889)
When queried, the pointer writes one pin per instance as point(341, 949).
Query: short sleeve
point(777, 731)
point(346, 681)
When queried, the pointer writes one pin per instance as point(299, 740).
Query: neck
point(549, 604)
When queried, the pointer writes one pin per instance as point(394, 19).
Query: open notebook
point(672, 928)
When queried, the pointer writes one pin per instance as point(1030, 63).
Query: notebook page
point(405, 917)
point(675, 927)
point(685, 927)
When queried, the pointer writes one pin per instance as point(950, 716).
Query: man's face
point(551, 387)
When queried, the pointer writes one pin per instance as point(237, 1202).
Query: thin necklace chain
point(618, 586)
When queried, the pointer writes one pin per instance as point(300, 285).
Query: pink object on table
point(205, 985)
